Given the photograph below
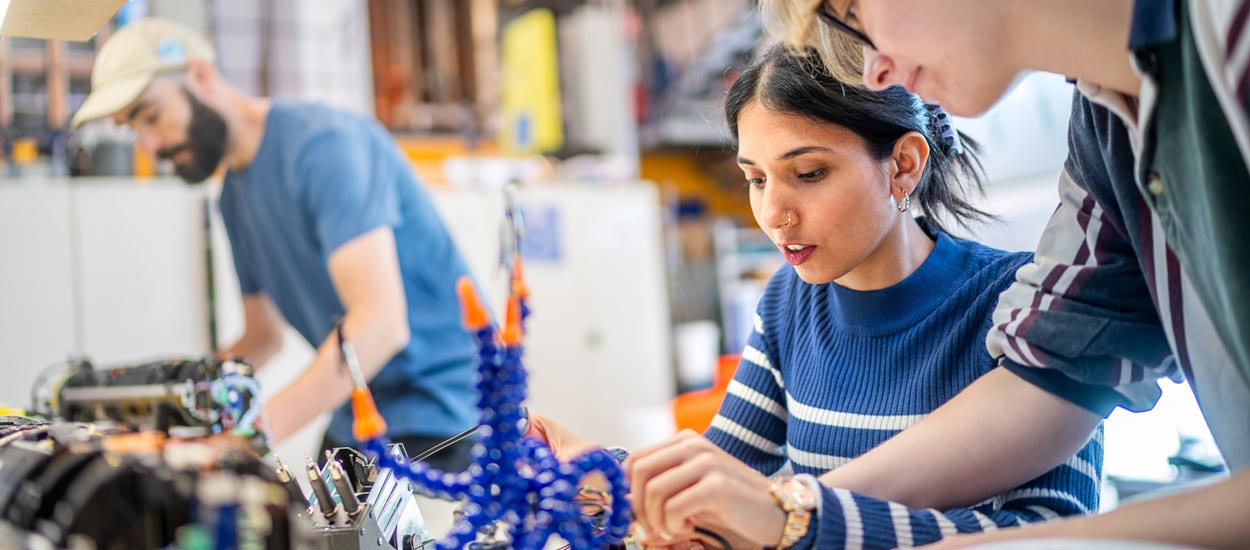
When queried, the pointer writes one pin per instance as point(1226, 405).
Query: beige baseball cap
point(131, 57)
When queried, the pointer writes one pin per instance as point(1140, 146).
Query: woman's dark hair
point(797, 83)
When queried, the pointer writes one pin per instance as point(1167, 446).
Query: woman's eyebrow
point(791, 153)
point(803, 151)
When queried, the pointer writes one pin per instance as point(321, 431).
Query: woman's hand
point(688, 480)
point(563, 442)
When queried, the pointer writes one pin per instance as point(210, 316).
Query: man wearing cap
point(326, 221)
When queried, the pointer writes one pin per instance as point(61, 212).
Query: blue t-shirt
point(320, 179)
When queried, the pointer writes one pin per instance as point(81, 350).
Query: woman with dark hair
point(878, 319)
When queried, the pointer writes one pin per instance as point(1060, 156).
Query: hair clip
point(944, 131)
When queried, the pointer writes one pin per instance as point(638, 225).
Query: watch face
point(797, 494)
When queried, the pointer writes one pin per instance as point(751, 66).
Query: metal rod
point(288, 480)
point(445, 444)
point(347, 495)
point(328, 508)
point(348, 352)
point(462, 435)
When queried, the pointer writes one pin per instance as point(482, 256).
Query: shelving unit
point(745, 259)
point(435, 67)
point(695, 50)
point(43, 81)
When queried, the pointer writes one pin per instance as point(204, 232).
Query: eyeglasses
point(833, 21)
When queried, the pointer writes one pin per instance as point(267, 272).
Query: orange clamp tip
point(475, 315)
point(369, 423)
point(519, 287)
point(512, 330)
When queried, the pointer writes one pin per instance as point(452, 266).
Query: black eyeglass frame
point(832, 20)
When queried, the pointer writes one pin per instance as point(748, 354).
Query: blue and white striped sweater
point(829, 373)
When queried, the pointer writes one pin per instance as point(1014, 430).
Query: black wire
point(461, 436)
point(446, 443)
point(724, 544)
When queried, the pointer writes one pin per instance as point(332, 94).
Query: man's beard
point(206, 140)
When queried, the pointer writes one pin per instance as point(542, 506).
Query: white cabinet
point(100, 268)
point(38, 323)
point(143, 270)
point(599, 343)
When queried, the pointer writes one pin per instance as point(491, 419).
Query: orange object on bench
point(695, 410)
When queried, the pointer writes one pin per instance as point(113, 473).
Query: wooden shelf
point(31, 62)
point(52, 59)
point(434, 64)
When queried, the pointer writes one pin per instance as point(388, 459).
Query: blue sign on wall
point(542, 234)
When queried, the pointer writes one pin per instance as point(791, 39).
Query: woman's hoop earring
point(904, 204)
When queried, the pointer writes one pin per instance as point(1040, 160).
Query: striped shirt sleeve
point(852, 521)
point(1080, 320)
point(751, 422)
point(1236, 49)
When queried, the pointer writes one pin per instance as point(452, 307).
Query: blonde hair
point(796, 24)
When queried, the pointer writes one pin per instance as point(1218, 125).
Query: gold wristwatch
point(799, 496)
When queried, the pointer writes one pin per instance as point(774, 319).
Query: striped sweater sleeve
point(751, 422)
point(1227, 22)
point(1080, 320)
point(852, 521)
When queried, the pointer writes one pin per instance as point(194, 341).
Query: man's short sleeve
point(244, 265)
point(347, 191)
point(1080, 320)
